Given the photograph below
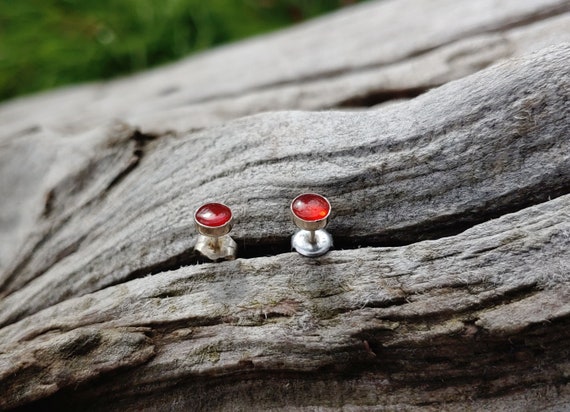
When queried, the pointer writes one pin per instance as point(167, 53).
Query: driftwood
point(450, 284)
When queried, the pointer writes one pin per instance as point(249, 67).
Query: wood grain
point(447, 162)
point(431, 167)
point(486, 310)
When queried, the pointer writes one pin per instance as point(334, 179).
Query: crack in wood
point(373, 98)
point(439, 228)
point(141, 140)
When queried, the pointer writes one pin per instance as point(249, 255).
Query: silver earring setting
point(310, 212)
point(214, 222)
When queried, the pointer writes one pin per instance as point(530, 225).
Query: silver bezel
point(214, 231)
point(310, 224)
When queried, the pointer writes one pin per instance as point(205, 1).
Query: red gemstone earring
point(214, 222)
point(310, 212)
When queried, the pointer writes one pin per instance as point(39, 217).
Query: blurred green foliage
point(47, 43)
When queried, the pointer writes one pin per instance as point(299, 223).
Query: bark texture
point(449, 287)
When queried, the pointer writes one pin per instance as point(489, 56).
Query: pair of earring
point(309, 211)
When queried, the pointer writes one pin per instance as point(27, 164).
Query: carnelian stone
point(213, 214)
point(311, 207)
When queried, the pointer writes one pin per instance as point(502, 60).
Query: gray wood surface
point(449, 287)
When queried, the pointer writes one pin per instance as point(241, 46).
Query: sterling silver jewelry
point(310, 212)
point(214, 222)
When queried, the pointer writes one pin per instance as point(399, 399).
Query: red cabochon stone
point(213, 214)
point(310, 207)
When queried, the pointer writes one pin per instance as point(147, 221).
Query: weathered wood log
point(450, 285)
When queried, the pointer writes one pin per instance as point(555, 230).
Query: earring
point(310, 212)
point(214, 222)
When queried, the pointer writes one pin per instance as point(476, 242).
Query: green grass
point(49, 43)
